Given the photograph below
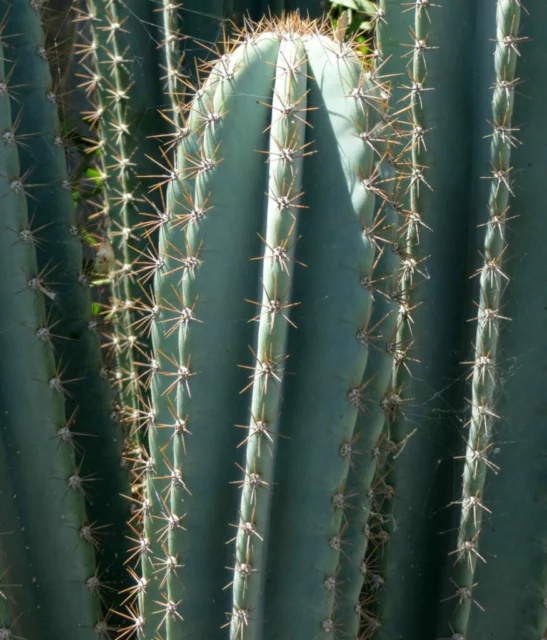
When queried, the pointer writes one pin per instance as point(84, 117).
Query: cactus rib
point(39, 457)
point(58, 244)
point(286, 154)
point(324, 397)
point(489, 317)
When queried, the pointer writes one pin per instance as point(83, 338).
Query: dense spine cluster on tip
point(478, 461)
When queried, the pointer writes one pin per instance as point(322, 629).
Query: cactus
point(439, 552)
point(43, 518)
point(327, 316)
point(315, 85)
point(41, 138)
point(127, 113)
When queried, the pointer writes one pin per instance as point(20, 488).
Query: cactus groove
point(326, 308)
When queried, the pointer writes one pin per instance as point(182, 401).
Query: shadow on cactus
point(269, 444)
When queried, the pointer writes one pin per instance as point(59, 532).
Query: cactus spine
point(297, 340)
point(42, 142)
point(492, 282)
point(288, 62)
point(36, 438)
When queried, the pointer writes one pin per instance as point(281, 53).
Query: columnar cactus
point(493, 280)
point(338, 437)
point(43, 490)
point(127, 109)
point(303, 100)
point(444, 545)
point(40, 228)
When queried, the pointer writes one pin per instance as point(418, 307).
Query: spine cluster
point(264, 278)
point(406, 129)
point(44, 492)
point(492, 282)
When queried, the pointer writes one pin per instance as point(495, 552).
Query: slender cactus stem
point(489, 318)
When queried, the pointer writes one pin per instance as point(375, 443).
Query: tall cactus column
point(478, 460)
point(41, 137)
point(324, 393)
point(36, 442)
point(512, 584)
point(240, 239)
point(119, 69)
point(203, 333)
point(410, 530)
point(286, 159)
point(376, 334)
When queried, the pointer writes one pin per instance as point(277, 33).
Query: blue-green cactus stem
point(363, 449)
point(167, 428)
point(173, 59)
point(411, 501)
point(489, 318)
point(128, 92)
point(512, 582)
point(75, 335)
point(323, 398)
point(199, 381)
point(285, 154)
point(36, 436)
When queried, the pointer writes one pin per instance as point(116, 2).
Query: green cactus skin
point(310, 498)
point(211, 201)
point(37, 453)
point(512, 582)
point(59, 253)
point(481, 424)
point(416, 518)
point(129, 96)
